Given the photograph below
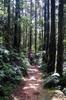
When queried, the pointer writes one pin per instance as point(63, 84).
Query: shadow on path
point(32, 89)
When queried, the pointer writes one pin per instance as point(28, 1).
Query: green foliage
point(65, 42)
point(38, 58)
point(24, 63)
point(44, 67)
point(1, 39)
point(6, 90)
point(25, 21)
point(52, 80)
point(63, 79)
point(41, 23)
point(11, 72)
point(13, 67)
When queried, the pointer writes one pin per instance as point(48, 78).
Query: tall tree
point(46, 25)
point(35, 26)
point(56, 27)
point(8, 35)
point(17, 33)
point(46, 28)
point(30, 44)
point(52, 41)
point(60, 39)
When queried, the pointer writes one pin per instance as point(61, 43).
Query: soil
point(31, 88)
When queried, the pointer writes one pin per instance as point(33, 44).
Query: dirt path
point(32, 89)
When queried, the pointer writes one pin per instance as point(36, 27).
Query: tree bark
point(30, 46)
point(17, 34)
point(60, 39)
point(52, 41)
point(35, 26)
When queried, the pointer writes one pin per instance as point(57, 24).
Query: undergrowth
point(13, 67)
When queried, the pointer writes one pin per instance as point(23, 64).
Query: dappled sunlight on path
point(32, 86)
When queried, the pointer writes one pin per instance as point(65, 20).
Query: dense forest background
point(32, 32)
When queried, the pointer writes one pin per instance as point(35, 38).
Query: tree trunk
point(17, 34)
point(30, 46)
point(45, 26)
point(60, 39)
point(52, 41)
point(46, 29)
point(35, 26)
point(7, 35)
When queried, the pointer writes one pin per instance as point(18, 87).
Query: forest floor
point(31, 88)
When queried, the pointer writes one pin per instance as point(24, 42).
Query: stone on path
point(58, 95)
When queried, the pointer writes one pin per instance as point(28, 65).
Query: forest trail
point(32, 88)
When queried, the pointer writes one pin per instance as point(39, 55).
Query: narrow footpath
point(32, 88)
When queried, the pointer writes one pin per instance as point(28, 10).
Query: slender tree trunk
point(56, 27)
point(30, 44)
point(60, 39)
point(45, 26)
point(22, 27)
point(46, 32)
point(46, 29)
point(40, 37)
point(42, 27)
point(47, 44)
point(7, 36)
point(26, 39)
point(35, 26)
point(52, 41)
point(17, 34)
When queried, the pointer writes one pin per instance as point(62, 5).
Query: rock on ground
point(58, 95)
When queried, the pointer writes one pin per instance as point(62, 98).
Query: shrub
point(44, 67)
point(13, 67)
